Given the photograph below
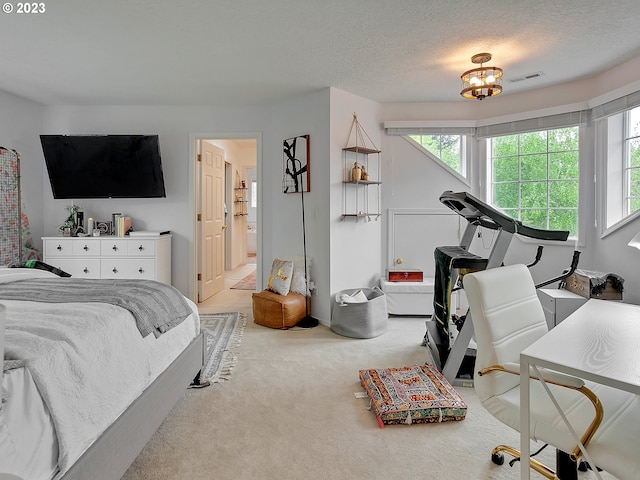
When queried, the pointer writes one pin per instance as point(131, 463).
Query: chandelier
point(483, 81)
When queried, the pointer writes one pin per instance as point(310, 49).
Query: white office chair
point(507, 317)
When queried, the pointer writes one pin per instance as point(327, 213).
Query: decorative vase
point(356, 172)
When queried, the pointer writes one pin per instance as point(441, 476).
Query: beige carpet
point(289, 412)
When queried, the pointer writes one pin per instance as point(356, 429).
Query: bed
point(87, 382)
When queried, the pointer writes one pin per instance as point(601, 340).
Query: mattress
point(30, 445)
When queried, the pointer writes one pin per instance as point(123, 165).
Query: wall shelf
point(361, 197)
point(240, 202)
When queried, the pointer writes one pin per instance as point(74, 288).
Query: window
point(254, 193)
point(619, 155)
point(631, 161)
point(535, 177)
point(447, 148)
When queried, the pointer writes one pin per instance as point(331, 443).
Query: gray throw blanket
point(157, 307)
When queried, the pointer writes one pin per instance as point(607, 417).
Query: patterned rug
point(247, 283)
point(223, 334)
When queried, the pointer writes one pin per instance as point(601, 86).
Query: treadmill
point(449, 354)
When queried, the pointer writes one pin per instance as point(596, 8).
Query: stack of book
point(121, 224)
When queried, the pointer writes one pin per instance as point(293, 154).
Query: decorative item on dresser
point(111, 257)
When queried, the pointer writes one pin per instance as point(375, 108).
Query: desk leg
point(525, 421)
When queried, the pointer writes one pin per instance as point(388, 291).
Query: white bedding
point(88, 361)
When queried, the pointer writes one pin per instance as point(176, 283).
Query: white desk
point(599, 342)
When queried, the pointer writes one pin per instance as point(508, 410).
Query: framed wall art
point(296, 176)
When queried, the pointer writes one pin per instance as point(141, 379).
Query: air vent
point(528, 76)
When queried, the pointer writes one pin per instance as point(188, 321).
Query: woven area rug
point(223, 334)
point(247, 283)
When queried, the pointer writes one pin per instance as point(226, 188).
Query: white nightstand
point(558, 304)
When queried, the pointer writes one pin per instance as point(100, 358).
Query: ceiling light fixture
point(483, 81)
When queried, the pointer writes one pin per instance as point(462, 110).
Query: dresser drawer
point(62, 247)
point(86, 248)
point(141, 248)
point(113, 247)
point(78, 267)
point(143, 268)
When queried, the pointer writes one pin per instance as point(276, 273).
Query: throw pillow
point(280, 276)
point(298, 280)
point(41, 266)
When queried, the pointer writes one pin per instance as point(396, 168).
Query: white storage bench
point(409, 298)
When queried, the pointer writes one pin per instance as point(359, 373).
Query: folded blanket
point(156, 306)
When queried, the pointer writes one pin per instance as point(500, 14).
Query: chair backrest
point(507, 317)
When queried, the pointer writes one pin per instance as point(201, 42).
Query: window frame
point(547, 180)
point(465, 154)
point(627, 168)
point(612, 157)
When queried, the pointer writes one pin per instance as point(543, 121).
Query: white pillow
point(298, 281)
point(280, 276)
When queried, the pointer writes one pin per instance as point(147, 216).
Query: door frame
point(194, 187)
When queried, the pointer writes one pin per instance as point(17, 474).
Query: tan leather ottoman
point(278, 311)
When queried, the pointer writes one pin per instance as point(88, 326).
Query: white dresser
point(111, 257)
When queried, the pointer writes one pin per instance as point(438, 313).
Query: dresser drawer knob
point(86, 270)
point(141, 248)
point(114, 248)
point(59, 248)
point(115, 270)
point(86, 248)
point(140, 270)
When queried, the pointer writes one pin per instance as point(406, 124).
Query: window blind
point(616, 106)
point(430, 130)
point(570, 119)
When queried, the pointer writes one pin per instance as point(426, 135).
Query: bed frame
point(114, 451)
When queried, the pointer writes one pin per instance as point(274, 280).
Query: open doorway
point(229, 199)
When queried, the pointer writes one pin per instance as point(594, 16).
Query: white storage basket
point(360, 320)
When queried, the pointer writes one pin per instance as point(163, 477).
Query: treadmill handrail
point(477, 212)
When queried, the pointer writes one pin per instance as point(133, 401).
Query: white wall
point(282, 213)
point(174, 125)
point(281, 221)
point(345, 254)
point(355, 246)
point(609, 254)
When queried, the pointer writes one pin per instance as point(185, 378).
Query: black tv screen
point(104, 166)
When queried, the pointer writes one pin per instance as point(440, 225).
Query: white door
point(212, 222)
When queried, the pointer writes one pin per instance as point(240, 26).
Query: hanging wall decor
point(16, 244)
point(10, 218)
point(296, 171)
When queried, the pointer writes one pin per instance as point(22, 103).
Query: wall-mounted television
point(104, 166)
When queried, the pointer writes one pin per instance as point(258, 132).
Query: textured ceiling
point(257, 51)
